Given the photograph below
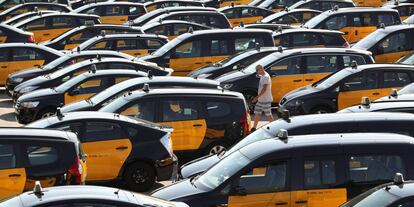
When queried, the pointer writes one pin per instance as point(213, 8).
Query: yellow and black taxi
point(370, 3)
point(172, 28)
point(48, 26)
point(7, 4)
point(132, 44)
point(142, 20)
point(388, 44)
point(67, 59)
point(274, 5)
point(44, 102)
point(409, 20)
point(204, 47)
point(119, 148)
point(269, 26)
point(214, 19)
point(78, 35)
point(101, 99)
point(295, 17)
point(113, 12)
point(56, 78)
point(18, 56)
point(205, 121)
point(291, 69)
point(92, 195)
point(303, 37)
point(404, 9)
point(322, 5)
point(346, 88)
point(397, 193)
point(302, 170)
point(159, 4)
point(49, 156)
point(356, 23)
point(406, 93)
point(35, 6)
point(235, 62)
point(225, 3)
point(373, 122)
point(366, 105)
point(10, 34)
point(244, 13)
point(27, 15)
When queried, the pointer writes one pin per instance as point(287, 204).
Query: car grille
point(17, 104)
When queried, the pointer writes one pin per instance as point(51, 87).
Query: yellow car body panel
point(7, 68)
point(113, 19)
point(43, 35)
point(12, 182)
point(187, 135)
point(390, 57)
point(350, 98)
point(282, 84)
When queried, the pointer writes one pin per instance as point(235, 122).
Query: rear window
point(41, 155)
point(218, 109)
point(333, 40)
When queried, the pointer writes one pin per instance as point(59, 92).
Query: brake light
point(74, 175)
point(244, 121)
point(31, 39)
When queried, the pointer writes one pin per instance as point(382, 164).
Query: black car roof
point(31, 45)
point(319, 140)
point(89, 16)
point(80, 9)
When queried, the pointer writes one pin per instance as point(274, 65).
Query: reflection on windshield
point(265, 62)
point(409, 89)
point(332, 80)
point(71, 82)
point(223, 170)
point(270, 18)
point(167, 47)
point(370, 40)
point(260, 134)
point(315, 20)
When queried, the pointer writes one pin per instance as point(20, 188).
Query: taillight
point(244, 121)
point(74, 175)
point(31, 39)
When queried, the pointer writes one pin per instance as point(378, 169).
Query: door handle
point(137, 53)
point(297, 81)
point(3, 66)
point(198, 63)
point(346, 33)
point(121, 148)
point(356, 32)
point(301, 202)
point(37, 65)
point(123, 20)
point(14, 175)
point(197, 125)
point(376, 94)
point(281, 203)
point(209, 62)
point(46, 34)
point(311, 79)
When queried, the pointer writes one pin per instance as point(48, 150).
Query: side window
point(308, 15)
point(333, 40)
point(135, 10)
point(180, 29)
point(63, 22)
point(39, 24)
point(219, 47)
point(232, 13)
point(114, 10)
point(70, 127)
point(4, 55)
point(395, 43)
point(102, 45)
point(23, 54)
point(406, 203)
point(218, 109)
point(265, 179)
point(41, 155)
point(179, 110)
point(319, 173)
point(368, 19)
point(152, 44)
point(286, 19)
point(216, 21)
point(374, 167)
point(95, 11)
point(126, 44)
point(386, 18)
point(306, 39)
point(242, 44)
point(396, 79)
point(336, 22)
point(82, 36)
point(160, 30)
point(102, 131)
point(289, 66)
point(347, 60)
point(189, 49)
point(92, 86)
point(121, 66)
point(7, 156)
point(362, 82)
point(143, 110)
point(321, 63)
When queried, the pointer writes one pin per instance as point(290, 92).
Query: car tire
point(46, 113)
point(216, 148)
point(249, 96)
point(321, 110)
point(139, 176)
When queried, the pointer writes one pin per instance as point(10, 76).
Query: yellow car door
point(84, 90)
point(107, 148)
point(187, 52)
point(393, 47)
point(263, 185)
point(319, 66)
point(132, 47)
point(12, 177)
point(189, 128)
point(286, 76)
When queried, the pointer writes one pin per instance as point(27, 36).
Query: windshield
point(57, 62)
point(149, 15)
point(222, 171)
point(115, 104)
point(231, 59)
point(408, 59)
point(71, 82)
point(370, 40)
point(167, 47)
point(112, 91)
point(260, 134)
point(265, 62)
point(272, 17)
point(312, 23)
point(373, 197)
point(332, 80)
point(408, 89)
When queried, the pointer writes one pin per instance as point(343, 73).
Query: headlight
point(27, 89)
point(293, 104)
point(17, 80)
point(30, 104)
point(227, 86)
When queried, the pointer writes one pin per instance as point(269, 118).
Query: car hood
point(77, 106)
point(232, 76)
point(26, 72)
point(300, 92)
point(177, 190)
point(355, 109)
point(198, 166)
point(147, 57)
point(403, 97)
point(38, 94)
point(204, 70)
point(32, 82)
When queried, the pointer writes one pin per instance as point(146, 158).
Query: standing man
point(264, 98)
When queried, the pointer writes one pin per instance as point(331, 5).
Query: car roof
point(72, 53)
point(300, 30)
point(101, 72)
point(397, 5)
point(220, 31)
point(112, 26)
point(34, 3)
point(181, 91)
point(403, 190)
point(128, 35)
point(167, 79)
point(241, 6)
point(32, 45)
point(54, 14)
point(18, 132)
point(293, 51)
point(154, 24)
point(375, 106)
point(319, 140)
point(358, 9)
point(301, 10)
point(106, 3)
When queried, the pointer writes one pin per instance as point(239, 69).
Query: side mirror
point(238, 190)
point(74, 92)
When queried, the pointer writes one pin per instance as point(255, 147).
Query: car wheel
point(140, 176)
point(216, 148)
point(249, 96)
point(46, 113)
point(321, 110)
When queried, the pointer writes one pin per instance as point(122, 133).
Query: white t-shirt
point(267, 96)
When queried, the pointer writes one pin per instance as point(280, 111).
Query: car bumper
point(9, 88)
point(167, 169)
point(24, 115)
